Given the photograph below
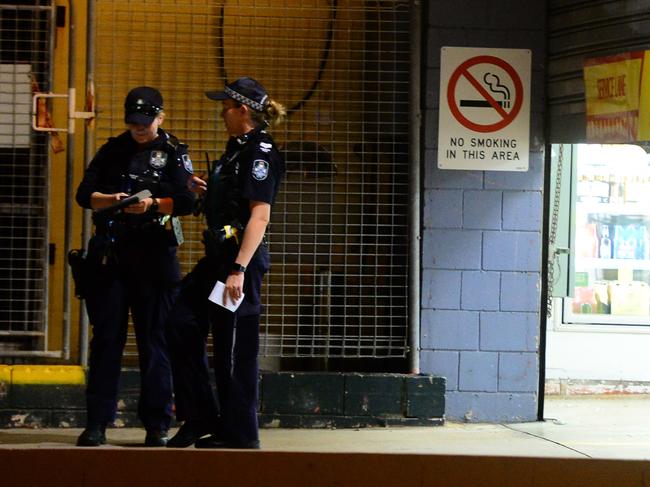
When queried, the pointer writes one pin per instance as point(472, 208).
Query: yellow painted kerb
point(47, 374)
point(5, 373)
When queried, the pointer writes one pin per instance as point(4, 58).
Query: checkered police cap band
point(258, 106)
point(246, 91)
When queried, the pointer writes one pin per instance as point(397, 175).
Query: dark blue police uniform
point(251, 169)
point(132, 265)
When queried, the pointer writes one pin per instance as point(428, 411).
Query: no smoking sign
point(484, 118)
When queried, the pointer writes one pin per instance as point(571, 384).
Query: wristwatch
point(238, 267)
point(154, 206)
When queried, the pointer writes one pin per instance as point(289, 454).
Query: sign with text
point(618, 110)
point(484, 121)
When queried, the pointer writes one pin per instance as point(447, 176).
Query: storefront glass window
point(612, 236)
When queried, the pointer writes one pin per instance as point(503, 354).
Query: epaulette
point(173, 141)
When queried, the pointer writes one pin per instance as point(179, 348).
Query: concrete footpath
point(606, 427)
point(585, 441)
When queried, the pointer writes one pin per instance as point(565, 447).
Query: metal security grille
point(25, 53)
point(338, 283)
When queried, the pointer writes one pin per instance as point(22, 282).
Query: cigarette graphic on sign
point(494, 84)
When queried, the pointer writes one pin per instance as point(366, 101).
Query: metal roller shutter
point(581, 29)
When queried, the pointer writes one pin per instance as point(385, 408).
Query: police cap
point(142, 105)
point(245, 90)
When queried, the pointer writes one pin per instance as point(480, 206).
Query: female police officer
point(132, 264)
point(240, 192)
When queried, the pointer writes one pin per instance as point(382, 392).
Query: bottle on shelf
point(605, 247)
point(625, 242)
point(643, 248)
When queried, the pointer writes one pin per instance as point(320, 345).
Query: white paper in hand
point(216, 296)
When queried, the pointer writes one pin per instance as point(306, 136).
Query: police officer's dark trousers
point(233, 415)
point(142, 280)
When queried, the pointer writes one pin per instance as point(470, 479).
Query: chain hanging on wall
point(553, 254)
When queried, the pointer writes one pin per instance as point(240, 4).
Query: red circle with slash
point(506, 117)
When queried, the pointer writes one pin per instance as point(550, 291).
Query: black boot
point(156, 438)
point(188, 433)
point(93, 435)
point(214, 441)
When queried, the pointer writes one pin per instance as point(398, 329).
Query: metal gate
point(338, 286)
point(25, 53)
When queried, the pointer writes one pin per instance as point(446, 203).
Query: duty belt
point(228, 231)
point(212, 238)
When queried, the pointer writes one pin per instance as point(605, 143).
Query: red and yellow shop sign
point(618, 106)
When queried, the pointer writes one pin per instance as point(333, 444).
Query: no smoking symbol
point(487, 87)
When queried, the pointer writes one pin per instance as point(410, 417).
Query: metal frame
point(43, 351)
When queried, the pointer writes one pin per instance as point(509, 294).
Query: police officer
point(132, 264)
point(240, 192)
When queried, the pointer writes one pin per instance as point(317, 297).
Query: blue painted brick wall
point(482, 241)
point(480, 290)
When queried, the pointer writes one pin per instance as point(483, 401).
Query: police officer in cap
point(239, 194)
point(132, 263)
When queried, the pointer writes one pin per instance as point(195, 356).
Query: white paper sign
point(216, 296)
point(484, 117)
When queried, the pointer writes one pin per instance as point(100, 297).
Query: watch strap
point(238, 267)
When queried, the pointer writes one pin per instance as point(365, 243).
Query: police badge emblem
point(158, 159)
point(260, 169)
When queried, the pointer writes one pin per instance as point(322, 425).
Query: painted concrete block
point(451, 13)
point(373, 395)
point(522, 210)
point(432, 89)
point(516, 332)
point(487, 38)
point(535, 41)
point(441, 37)
point(441, 363)
point(520, 291)
point(478, 371)
point(514, 14)
point(446, 178)
point(441, 289)
point(48, 374)
point(518, 372)
point(35, 396)
point(482, 210)
point(425, 396)
point(512, 251)
point(5, 384)
point(479, 407)
point(430, 137)
point(537, 132)
point(302, 393)
point(450, 330)
point(531, 180)
point(443, 208)
point(452, 249)
point(480, 290)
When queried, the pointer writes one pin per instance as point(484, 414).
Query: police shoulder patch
point(187, 163)
point(260, 169)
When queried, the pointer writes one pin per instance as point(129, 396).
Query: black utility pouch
point(212, 242)
point(78, 266)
